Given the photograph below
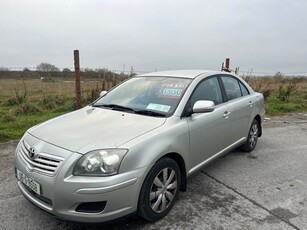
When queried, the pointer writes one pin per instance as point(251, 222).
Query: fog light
point(91, 207)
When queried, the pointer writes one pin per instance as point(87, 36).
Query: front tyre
point(159, 190)
point(252, 137)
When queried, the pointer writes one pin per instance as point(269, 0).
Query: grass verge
point(16, 119)
point(274, 106)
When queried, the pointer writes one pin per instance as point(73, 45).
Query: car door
point(240, 104)
point(209, 132)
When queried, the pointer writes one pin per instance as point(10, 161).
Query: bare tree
point(26, 70)
point(46, 67)
point(66, 70)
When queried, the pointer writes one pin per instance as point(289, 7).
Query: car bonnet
point(94, 128)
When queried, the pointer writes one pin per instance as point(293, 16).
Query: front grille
point(43, 162)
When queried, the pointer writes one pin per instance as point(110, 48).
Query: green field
point(29, 100)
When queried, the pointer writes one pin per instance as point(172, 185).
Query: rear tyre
point(160, 190)
point(252, 137)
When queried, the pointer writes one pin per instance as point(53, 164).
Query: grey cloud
point(267, 36)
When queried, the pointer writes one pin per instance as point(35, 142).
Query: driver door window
point(210, 90)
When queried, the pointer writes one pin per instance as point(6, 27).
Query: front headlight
point(103, 162)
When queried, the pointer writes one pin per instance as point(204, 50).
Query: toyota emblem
point(32, 152)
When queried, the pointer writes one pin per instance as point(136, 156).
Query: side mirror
point(203, 106)
point(102, 93)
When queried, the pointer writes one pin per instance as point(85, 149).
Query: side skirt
point(220, 153)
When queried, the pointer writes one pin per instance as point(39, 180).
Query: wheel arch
point(180, 161)
point(258, 118)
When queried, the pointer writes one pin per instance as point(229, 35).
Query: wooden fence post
point(77, 79)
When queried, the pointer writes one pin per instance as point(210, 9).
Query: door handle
point(250, 103)
point(226, 114)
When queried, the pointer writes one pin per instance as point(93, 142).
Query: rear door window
point(243, 89)
point(232, 87)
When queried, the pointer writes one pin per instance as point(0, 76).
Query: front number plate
point(33, 185)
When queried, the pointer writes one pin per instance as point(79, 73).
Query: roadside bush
point(14, 101)
point(25, 108)
point(265, 89)
point(47, 103)
point(94, 93)
point(52, 102)
point(278, 77)
point(261, 85)
point(68, 106)
point(19, 97)
point(285, 91)
point(9, 117)
point(60, 100)
point(4, 137)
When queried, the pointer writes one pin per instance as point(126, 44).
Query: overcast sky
point(263, 35)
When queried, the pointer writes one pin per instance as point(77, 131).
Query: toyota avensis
point(132, 150)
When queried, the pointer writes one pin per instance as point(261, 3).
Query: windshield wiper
point(150, 113)
point(115, 107)
point(123, 108)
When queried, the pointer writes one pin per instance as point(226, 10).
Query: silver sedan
point(132, 150)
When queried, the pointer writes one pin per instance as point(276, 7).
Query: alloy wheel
point(163, 190)
point(253, 135)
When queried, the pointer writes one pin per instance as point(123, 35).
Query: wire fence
point(72, 69)
point(242, 72)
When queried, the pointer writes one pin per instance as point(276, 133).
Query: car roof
point(181, 73)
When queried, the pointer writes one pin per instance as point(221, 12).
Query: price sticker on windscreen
point(171, 90)
point(159, 107)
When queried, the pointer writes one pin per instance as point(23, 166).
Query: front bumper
point(63, 194)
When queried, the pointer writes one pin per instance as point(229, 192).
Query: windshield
point(146, 95)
